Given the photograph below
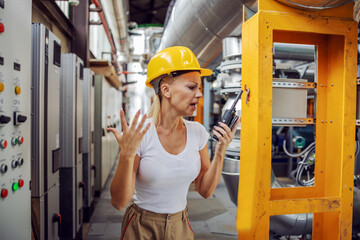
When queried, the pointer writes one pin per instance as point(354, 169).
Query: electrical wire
point(304, 163)
point(302, 166)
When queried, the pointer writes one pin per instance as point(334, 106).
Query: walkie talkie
point(229, 117)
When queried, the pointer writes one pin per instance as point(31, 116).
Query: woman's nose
point(199, 93)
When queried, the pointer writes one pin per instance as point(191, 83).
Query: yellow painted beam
point(292, 193)
point(256, 115)
point(310, 205)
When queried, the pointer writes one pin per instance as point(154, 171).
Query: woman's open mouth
point(193, 106)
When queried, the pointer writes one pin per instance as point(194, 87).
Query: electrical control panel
point(15, 79)
point(45, 130)
point(71, 145)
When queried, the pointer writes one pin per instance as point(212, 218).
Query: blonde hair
point(155, 109)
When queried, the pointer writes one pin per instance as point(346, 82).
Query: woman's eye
point(192, 87)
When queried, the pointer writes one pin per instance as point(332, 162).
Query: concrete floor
point(210, 219)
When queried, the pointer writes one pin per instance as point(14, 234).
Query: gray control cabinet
point(45, 130)
point(88, 154)
point(71, 145)
point(99, 132)
point(15, 79)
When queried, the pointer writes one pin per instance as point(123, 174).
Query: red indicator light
point(21, 183)
point(2, 28)
point(4, 193)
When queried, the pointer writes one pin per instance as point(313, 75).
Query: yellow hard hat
point(170, 60)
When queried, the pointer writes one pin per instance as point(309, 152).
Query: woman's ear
point(165, 89)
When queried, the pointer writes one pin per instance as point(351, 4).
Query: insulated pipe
point(106, 27)
point(107, 31)
point(201, 25)
point(121, 20)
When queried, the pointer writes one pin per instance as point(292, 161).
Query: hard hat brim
point(203, 73)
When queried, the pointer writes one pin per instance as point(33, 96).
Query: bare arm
point(123, 183)
point(210, 174)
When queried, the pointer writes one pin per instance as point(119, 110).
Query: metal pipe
point(298, 52)
point(314, 5)
point(294, 224)
point(356, 211)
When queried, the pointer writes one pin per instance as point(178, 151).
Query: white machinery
point(108, 101)
point(45, 132)
point(15, 79)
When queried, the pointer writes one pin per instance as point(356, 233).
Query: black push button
point(1, 59)
point(21, 118)
point(2, 3)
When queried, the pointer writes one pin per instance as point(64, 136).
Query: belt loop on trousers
point(143, 214)
point(184, 214)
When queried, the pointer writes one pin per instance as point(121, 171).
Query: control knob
point(20, 161)
point(19, 119)
point(14, 164)
point(4, 119)
point(3, 168)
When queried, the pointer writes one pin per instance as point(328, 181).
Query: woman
point(157, 166)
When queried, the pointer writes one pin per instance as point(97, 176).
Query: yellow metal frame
point(334, 33)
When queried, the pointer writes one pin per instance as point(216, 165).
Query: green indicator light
point(16, 141)
point(15, 187)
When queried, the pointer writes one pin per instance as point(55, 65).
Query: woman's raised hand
point(129, 140)
point(225, 137)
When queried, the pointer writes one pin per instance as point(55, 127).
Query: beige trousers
point(140, 224)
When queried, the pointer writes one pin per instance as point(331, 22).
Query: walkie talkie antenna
point(236, 99)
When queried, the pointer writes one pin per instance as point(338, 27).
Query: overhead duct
point(201, 25)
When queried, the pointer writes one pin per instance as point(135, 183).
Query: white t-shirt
point(163, 179)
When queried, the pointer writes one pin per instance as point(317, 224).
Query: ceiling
point(148, 11)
